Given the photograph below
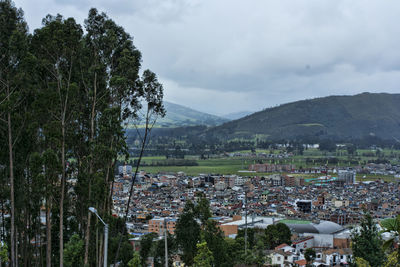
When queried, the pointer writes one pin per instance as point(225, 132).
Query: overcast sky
point(223, 56)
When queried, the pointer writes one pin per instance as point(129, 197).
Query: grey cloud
point(154, 11)
point(238, 55)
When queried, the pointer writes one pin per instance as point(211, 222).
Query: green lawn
point(195, 170)
point(220, 166)
point(232, 165)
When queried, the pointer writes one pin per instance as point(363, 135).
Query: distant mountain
point(342, 117)
point(237, 115)
point(178, 116)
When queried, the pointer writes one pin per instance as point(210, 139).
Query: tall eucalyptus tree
point(13, 48)
point(56, 46)
point(65, 99)
point(110, 81)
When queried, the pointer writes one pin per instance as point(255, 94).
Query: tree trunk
point(62, 194)
point(101, 250)
point(16, 247)
point(48, 232)
point(25, 237)
point(107, 205)
point(87, 235)
point(92, 133)
point(97, 247)
point(10, 151)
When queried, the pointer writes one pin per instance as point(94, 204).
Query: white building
point(347, 176)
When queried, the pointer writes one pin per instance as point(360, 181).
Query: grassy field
point(209, 167)
point(220, 166)
point(232, 165)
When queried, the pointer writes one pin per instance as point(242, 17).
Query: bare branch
point(137, 130)
point(3, 120)
point(19, 131)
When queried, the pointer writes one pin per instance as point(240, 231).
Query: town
point(320, 212)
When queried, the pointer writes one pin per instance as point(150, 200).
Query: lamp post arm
point(100, 218)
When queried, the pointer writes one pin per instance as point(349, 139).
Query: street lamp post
point(166, 242)
point(94, 210)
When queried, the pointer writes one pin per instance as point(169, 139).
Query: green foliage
point(351, 149)
point(309, 255)
point(392, 260)
point(3, 252)
point(360, 262)
point(216, 243)
point(125, 249)
point(271, 236)
point(188, 233)
point(392, 226)
point(276, 234)
point(255, 256)
point(204, 257)
point(151, 246)
point(66, 94)
point(135, 261)
point(146, 244)
point(74, 252)
point(202, 210)
point(327, 145)
point(159, 251)
point(224, 251)
point(367, 244)
point(251, 236)
point(284, 233)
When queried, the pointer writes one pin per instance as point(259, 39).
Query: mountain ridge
point(179, 115)
point(338, 116)
point(237, 115)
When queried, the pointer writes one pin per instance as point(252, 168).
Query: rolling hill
point(178, 116)
point(237, 115)
point(340, 117)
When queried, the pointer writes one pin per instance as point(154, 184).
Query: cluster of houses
point(282, 155)
point(386, 169)
point(330, 241)
point(318, 212)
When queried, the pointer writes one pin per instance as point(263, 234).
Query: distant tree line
point(194, 140)
point(167, 162)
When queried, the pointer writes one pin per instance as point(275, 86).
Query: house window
point(279, 258)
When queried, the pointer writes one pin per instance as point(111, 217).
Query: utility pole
point(245, 221)
point(166, 242)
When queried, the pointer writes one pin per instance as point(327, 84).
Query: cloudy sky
point(223, 56)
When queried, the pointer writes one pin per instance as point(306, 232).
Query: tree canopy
point(67, 92)
point(366, 242)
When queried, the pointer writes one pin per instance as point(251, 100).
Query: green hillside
point(334, 116)
point(237, 115)
point(178, 116)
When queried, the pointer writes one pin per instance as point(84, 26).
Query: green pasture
point(231, 165)
point(220, 166)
